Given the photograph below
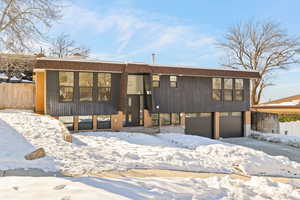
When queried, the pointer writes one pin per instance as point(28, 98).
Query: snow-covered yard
point(290, 128)
point(27, 188)
point(293, 141)
point(94, 152)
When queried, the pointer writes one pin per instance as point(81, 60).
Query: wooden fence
point(17, 95)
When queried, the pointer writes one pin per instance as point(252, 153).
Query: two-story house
point(92, 95)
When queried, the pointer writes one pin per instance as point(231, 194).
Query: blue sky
point(179, 32)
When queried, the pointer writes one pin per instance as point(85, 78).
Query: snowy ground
point(293, 141)
point(290, 128)
point(13, 147)
point(225, 188)
point(273, 149)
point(92, 153)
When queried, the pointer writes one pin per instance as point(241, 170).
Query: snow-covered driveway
point(94, 152)
point(274, 149)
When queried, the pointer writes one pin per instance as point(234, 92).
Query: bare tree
point(63, 46)
point(22, 22)
point(261, 46)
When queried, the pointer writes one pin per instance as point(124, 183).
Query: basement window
point(173, 81)
point(165, 119)
point(155, 119)
point(175, 118)
point(103, 122)
point(191, 115)
point(85, 123)
point(68, 121)
point(66, 86)
point(155, 81)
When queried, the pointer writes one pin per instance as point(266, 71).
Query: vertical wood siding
point(56, 108)
point(194, 94)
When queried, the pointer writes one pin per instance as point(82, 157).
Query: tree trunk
point(254, 97)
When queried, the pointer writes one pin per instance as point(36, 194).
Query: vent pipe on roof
point(153, 58)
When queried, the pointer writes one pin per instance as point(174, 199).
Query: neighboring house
point(288, 105)
point(91, 95)
point(267, 119)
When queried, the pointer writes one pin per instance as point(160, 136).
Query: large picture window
point(104, 86)
point(217, 89)
point(66, 86)
point(228, 89)
point(86, 86)
point(239, 90)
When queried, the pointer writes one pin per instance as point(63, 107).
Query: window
point(103, 122)
point(204, 114)
point(66, 86)
point(85, 123)
point(193, 115)
point(155, 119)
point(129, 117)
point(239, 89)
point(104, 86)
point(217, 89)
point(228, 89)
point(175, 118)
point(224, 114)
point(236, 114)
point(155, 80)
point(173, 81)
point(68, 121)
point(129, 101)
point(190, 115)
point(165, 118)
point(85, 86)
point(135, 84)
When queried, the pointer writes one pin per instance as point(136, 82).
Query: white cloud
point(136, 32)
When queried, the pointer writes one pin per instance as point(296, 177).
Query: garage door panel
point(231, 125)
point(201, 126)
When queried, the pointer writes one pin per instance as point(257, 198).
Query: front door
point(133, 116)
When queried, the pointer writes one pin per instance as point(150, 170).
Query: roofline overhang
point(118, 67)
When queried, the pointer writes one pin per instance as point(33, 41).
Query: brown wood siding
point(79, 66)
point(40, 92)
point(140, 68)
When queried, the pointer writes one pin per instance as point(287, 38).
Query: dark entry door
point(231, 124)
point(133, 110)
point(201, 125)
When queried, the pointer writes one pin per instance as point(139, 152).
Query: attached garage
point(231, 124)
point(200, 124)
